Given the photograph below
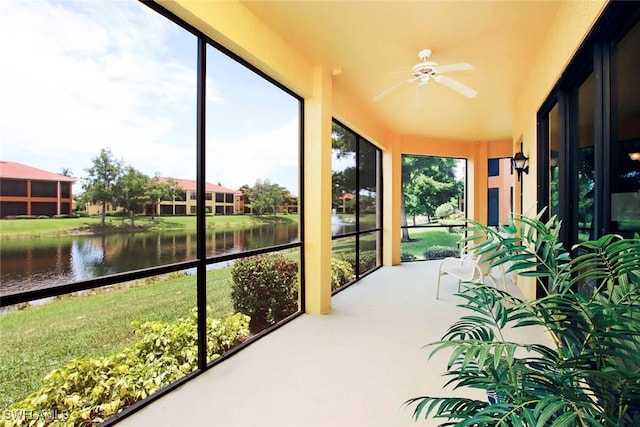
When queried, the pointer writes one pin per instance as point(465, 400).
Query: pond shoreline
point(17, 229)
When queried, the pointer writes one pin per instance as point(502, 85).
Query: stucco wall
point(570, 27)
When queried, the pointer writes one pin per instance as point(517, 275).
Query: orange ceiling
point(374, 44)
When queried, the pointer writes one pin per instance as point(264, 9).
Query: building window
point(493, 207)
point(44, 189)
point(625, 141)
point(9, 209)
point(219, 198)
point(43, 208)
point(13, 187)
point(494, 167)
point(588, 133)
point(65, 190)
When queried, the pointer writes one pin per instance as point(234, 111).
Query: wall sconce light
point(520, 163)
point(634, 156)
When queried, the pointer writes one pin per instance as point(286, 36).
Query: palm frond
point(589, 376)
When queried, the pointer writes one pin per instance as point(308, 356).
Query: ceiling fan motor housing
point(424, 68)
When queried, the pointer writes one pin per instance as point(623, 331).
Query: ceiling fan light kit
point(426, 70)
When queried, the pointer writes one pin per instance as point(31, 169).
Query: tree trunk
point(403, 220)
point(104, 212)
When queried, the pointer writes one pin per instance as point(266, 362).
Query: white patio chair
point(470, 268)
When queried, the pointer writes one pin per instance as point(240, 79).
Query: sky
point(79, 76)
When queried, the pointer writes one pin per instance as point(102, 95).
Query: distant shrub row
point(439, 252)
point(40, 216)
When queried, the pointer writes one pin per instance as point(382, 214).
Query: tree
point(160, 191)
point(265, 197)
point(99, 185)
point(245, 189)
point(427, 182)
point(343, 181)
point(364, 154)
point(65, 172)
point(132, 191)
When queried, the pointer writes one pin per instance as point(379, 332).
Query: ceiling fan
point(426, 71)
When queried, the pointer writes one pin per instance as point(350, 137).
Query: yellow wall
point(570, 27)
point(230, 24)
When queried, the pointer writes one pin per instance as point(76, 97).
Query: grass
point(27, 228)
point(41, 338)
point(422, 239)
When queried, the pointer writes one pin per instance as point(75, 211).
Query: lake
point(27, 264)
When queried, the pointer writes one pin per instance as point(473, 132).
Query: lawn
point(26, 228)
point(425, 238)
point(41, 338)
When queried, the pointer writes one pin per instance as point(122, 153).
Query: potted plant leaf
point(585, 374)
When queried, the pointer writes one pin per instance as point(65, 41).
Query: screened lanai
point(236, 98)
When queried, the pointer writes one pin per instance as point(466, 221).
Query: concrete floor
point(353, 367)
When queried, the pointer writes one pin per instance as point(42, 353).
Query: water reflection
point(44, 262)
point(338, 226)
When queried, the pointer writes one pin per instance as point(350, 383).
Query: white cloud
point(267, 155)
point(74, 82)
point(81, 76)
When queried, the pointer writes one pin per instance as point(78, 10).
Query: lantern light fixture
point(520, 163)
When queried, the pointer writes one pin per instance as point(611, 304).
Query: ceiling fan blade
point(455, 85)
point(394, 88)
point(463, 66)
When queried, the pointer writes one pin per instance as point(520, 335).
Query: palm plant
point(588, 375)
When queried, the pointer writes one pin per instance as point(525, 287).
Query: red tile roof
point(19, 171)
point(190, 185)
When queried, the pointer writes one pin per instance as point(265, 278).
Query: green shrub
point(88, 391)
point(405, 256)
point(368, 260)
point(265, 287)
point(445, 210)
point(341, 273)
point(439, 252)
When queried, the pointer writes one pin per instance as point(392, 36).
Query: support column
point(392, 193)
point(317, 194)
point(477, 180)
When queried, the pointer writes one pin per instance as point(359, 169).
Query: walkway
point(354, 367)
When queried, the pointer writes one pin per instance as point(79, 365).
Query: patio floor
point(354, 367)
